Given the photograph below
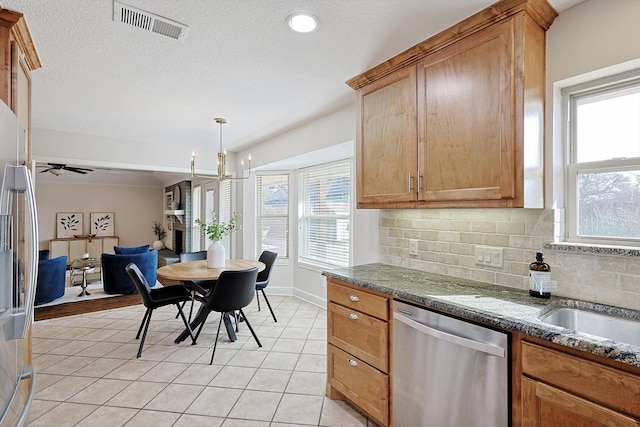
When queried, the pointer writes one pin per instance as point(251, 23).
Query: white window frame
point(570, 96)
point(260, 215)
point(303, 217)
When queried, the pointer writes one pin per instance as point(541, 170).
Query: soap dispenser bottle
point(539, 278)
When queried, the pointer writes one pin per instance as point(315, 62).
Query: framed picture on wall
point(102, 223)
point(68, 224)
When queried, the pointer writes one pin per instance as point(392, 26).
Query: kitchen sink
point(595, 323)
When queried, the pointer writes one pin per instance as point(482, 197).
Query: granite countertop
point(493, 305)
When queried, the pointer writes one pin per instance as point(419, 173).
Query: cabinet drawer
point(598, 383)
point(359, 334)
point(362, 301)
point(365, 386)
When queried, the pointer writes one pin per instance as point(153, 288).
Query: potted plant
point(216, 230)
point(160, 232)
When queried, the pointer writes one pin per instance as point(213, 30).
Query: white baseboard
point(310, 298)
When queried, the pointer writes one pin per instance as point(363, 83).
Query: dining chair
point(268, 258)
point(156, 298)
point(234, 290)
point(193, 286)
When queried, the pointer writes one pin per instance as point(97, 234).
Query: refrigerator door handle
point(27, 374)
point(23, 316)
point(32, 216)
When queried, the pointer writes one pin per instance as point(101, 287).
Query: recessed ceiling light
point(302, 22)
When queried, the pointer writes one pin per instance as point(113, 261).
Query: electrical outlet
point(489, 255)
point(413, 247)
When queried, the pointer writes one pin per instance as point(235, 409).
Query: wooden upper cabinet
point(465, 118)
point(463, 96)
point(19, 57)
point(386, 147)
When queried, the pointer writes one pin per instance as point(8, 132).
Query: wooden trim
point(22, 35)
point(539, 10)
point(88, 306)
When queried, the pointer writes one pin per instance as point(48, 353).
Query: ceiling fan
point(59, 168)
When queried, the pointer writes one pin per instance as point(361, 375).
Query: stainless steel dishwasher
point(447, 372)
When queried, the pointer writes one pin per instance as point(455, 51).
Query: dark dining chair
point(193, 286)
point(268, 258)
point(156, 298)
point(234, 290)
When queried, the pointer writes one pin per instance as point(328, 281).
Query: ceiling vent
point(148, 21)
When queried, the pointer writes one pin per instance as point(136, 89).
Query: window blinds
point(224, 213)
point(324, 214)
point(272, 214)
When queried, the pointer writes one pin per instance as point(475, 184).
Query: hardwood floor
point(88, 306)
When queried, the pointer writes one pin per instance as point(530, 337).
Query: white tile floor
point(87, 373)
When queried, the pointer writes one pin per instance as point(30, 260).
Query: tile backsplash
point(447, 239)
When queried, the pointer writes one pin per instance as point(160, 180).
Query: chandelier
point(222, 162)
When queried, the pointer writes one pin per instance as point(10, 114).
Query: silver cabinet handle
point(419, 181)
point(353, 363)
point(353, 298)
point(353, 316)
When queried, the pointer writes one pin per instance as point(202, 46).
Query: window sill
point(592, 249)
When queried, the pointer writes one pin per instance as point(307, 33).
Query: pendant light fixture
point(222, 162)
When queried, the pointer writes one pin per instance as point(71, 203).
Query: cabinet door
point(386, 148)
point(365, 386)
point(361, 335)
point(466, 119)
point(108, 243)
point(58, 248)
point(546, 406)
point(94, 248)
point(77, 247)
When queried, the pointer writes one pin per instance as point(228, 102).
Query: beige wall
point(448, 237)
point(135, 208)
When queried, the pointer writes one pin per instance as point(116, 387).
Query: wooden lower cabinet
point(559, 389)
point(363, 385)
point(358, 349)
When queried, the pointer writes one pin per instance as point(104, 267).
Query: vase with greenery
point(160, 232)
point(216, 230)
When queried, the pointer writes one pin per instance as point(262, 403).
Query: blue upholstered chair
point(116, 280)
point(51, 277)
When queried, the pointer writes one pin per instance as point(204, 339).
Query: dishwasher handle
point(491, 349)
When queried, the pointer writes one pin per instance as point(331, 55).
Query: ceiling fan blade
point(78, 170)
point(46, 170)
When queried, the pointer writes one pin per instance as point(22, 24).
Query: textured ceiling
point(239, 60)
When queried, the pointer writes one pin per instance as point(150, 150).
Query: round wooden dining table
point(173, 274)
point(197, 270)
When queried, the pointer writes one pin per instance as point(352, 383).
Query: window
point(272, 214)
point(196, 201)
point(324, 214)
point(603, 185)
point(224, 213)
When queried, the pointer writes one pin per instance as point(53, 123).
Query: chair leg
point(215, 343)
point(144, 334)
point(269, 305)
point(258, 298)
point(184, 319)
point(183, 304)
point(144, 319)
point(255, 337)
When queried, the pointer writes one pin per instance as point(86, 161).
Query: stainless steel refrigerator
point(18, 271)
